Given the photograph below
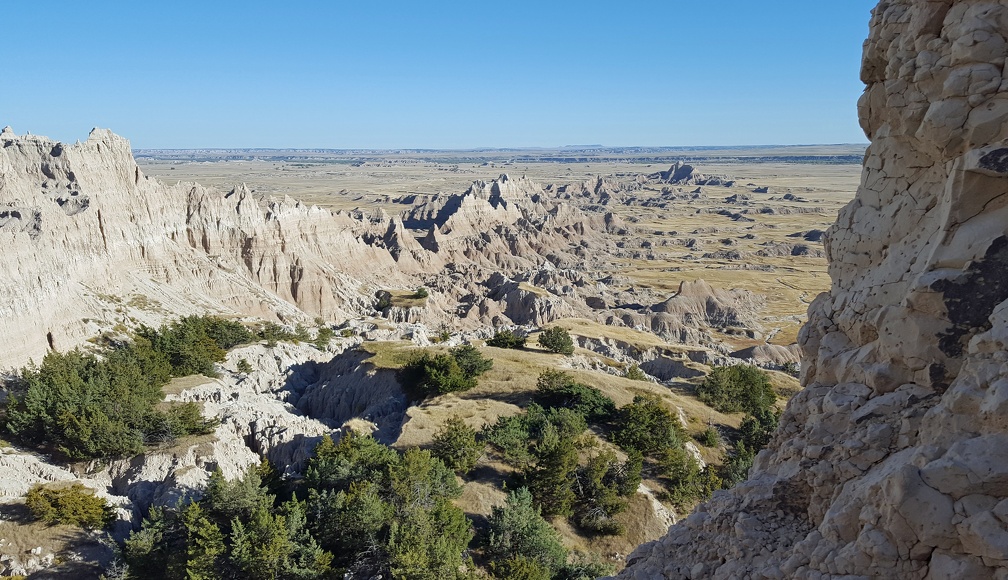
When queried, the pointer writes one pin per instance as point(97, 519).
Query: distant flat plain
point(825, 177)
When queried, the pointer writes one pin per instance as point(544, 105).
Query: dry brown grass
point(407, 299)
point(19, 535)
point(640, 525)
point(178, 384)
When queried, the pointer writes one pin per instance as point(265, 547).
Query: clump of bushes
point(193, 344)
point(544, 444)
point(647, 426)
point(754, 434)
point(458, 445)
point(421, 292)
point(323, 337)
point(428, 374)
point(686, 482)
point(559, 389)
point(634, 373)
point(709, 437)
point(507, 339)
point(87, 406)
point(519, 539)
point(243, 366)
point(377, 510)
point(237, 530)
point(602, 488)
point(556, 339)
point(74, 506)
point(737, 388)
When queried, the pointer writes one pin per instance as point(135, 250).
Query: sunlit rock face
point(83, 231)
point(893, 461)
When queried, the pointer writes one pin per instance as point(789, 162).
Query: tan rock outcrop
point(892, 461)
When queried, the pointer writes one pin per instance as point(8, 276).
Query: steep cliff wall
point(80, 224)
point(893, 461)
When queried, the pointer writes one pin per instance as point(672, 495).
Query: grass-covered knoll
point(524, 391)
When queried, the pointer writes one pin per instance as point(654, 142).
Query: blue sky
point(394, 74)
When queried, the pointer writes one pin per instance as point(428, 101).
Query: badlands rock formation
point(81, 225)
point(684, 174)
point(893, 461)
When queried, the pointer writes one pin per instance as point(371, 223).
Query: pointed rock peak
point(7, 132)
point(504, 178)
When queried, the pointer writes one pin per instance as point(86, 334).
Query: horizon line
point(503, 148)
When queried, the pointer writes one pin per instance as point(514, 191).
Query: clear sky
point(435, 74)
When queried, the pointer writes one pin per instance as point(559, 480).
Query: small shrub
point(647, 426)
point(602, 486)
point(301, 333)
point(507, 339)
point(518, 530)
point(421, 292)
point(383, 300)
point(709, 437)
point(75, 506)
point(272, 333)
point(456, 444)
point(469, 359)
point(347, 332)
point(757, 429)
point(430, 374)
point(323, 337)
point(687, 483)
point(791, 369)
point(444, 333)
point(519, 568)
point(634, 373)
point(243, 366)
point(582, 567)
point(736, 467)
point(434, 374)
point(556, 339)
point(737, 388)
point(558, 389)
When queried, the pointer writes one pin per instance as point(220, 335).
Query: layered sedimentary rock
point(893, 461)
point(682, 173)
point(82, 227)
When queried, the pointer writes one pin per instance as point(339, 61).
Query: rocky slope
point(892, 461)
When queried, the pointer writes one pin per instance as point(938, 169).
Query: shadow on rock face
point(348, 387)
